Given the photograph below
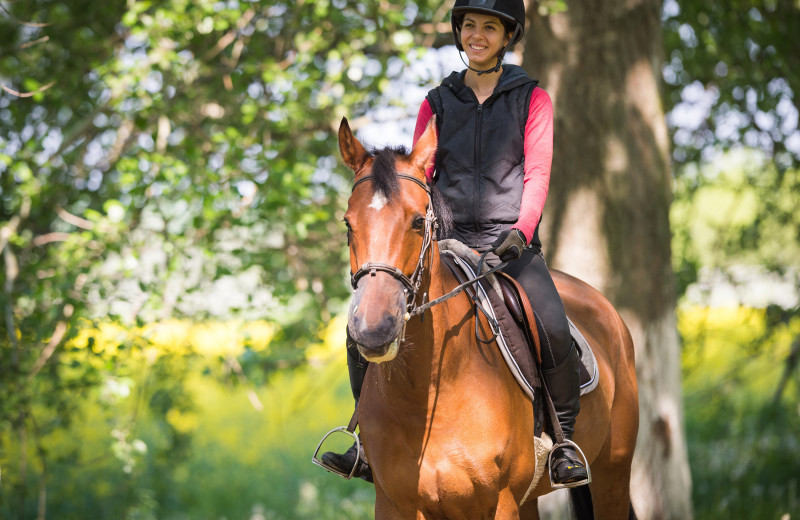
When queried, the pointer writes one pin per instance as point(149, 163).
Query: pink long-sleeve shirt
point(538, 145)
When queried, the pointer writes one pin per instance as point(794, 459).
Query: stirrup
point(565, 444)
point(319, 462)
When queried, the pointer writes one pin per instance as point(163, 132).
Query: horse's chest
point(453, 459)
point(447, 475)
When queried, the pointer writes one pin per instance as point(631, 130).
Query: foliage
point(741, 422)
point(732, 88)
point(738, 211)
point(215, 447)
point(740, 62)
point(172, 158)
point(731, 85)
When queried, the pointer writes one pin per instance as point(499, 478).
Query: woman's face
point(483, 36)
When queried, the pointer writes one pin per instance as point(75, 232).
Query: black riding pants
point(530, 270)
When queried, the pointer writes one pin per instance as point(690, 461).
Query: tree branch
point(55, 340)
point(21, 22)
point(50, 237)
point(791, 364)
point(34, 42)
point(229, 36)
point(27, 94)
point(251, 395)
point(75, 220)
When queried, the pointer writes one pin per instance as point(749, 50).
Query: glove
point(509, 245)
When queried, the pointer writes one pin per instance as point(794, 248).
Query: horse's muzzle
point(377, 316)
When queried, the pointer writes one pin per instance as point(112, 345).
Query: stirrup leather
point(319, 462)
point(568, 443)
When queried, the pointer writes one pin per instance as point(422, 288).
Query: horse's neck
point(438, 345)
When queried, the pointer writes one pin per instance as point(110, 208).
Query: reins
point(456, 290)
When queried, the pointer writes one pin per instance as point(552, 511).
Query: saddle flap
point(520, 308)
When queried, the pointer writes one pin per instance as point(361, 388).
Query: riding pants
point(530, 270)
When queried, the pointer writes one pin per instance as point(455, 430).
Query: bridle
point(412, 283)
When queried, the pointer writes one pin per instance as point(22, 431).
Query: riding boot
point(563, 382)
point(357, 369)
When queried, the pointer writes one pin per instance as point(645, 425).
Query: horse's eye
point(419, 222)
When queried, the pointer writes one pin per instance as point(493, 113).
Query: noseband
point(411, 283)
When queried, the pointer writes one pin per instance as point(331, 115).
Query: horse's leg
point(507, 507)
point(386, 510)
point(611, 470)
point(530, 510)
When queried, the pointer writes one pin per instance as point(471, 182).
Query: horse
point(446, 429)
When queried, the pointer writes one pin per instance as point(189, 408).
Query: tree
point(606, 219)
point(150, 149)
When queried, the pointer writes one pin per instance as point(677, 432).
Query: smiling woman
point(482, 37)
point(474, 23)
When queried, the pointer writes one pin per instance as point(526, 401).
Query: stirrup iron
point(319, 462)
point(565, 444)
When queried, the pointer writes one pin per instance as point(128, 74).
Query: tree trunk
point(607, 215)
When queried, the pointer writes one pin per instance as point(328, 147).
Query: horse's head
point(390, 227)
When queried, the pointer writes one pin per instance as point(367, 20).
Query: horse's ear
point(353, 152)
point(424, 152)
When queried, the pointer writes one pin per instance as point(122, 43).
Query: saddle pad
point(589, 371)
point(467, 259)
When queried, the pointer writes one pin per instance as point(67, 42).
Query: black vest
point(480, 158)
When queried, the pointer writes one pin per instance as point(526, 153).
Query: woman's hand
point(509, 245)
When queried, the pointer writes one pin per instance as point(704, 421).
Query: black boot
point(563, 382)
point(345, 462)
point(357, 369)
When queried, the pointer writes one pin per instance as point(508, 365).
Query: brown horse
point(446, 428)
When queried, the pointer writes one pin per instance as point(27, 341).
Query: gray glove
point(509, 245)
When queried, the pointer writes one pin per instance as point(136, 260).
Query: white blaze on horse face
point(378, 201)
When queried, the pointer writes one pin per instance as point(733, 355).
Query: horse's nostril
point(389, 323)
point(355, 321)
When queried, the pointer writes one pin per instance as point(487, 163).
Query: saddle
point(512, 319)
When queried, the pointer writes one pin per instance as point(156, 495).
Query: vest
point(480, 158)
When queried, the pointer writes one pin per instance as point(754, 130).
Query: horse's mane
point(384, 181)
point(384, 170)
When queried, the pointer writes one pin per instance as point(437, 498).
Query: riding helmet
point(512, 11)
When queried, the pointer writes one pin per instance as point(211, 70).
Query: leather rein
point(412, 283)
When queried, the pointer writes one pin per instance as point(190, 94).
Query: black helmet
point(511, 11)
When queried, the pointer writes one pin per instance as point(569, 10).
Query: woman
point(493, 167)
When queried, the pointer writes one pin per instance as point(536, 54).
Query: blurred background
point(175, 271)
